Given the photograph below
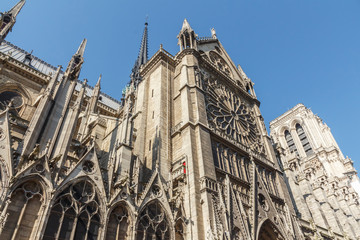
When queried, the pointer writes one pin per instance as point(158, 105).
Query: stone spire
point(73, 70)
point(187, 37)
point(95, 96)
point(8, 19)
point(142, 57)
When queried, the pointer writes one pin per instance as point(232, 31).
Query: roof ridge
point(26, 52)
point(52, 67)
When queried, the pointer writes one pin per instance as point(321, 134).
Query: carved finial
point(213, 33)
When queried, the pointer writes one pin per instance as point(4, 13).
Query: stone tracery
point(220, 63)
point(75, 213)
point(119, 224)
point(153, 223)
point(229, 114)
point(22, 211)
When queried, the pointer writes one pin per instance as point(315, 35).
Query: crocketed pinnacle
point(16, 9)
point(8, 19)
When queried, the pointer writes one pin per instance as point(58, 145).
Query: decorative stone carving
point(220, 63)
point(229, 114)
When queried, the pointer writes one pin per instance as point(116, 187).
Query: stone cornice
point(158, 56)
point(24, 70)
point(287, 115)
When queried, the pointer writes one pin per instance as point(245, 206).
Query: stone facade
point(323, 183)
point(184, 154)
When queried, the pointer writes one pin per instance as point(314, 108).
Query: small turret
point(187, 37)
point(8, 19)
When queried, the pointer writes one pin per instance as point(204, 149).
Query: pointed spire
point(186, 26)
point(73, 70)
point(142, 57)
point(95, 96)
point(8, 19)
point(143, 54)
point(98, 82)
point(81, 48)
point(16, 9)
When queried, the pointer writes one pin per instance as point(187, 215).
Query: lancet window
point(22, 212)
point(75, 214)
point(119, 224)
point(153, 223)
point(290, 142)
point(304, 140)
point(230, 161)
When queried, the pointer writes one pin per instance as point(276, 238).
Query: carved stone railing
point(208, 184)
point(179, 169)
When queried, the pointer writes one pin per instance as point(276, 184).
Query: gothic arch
point(75, 212)
point(120, 222)
point(268, 231)
point(22, 211)
point(153, 222)
point(180, 226)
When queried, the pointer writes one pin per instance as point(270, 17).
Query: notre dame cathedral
point(183, 155)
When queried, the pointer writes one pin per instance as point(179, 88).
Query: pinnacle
point(82, 46)
point(16, 9)
point(98, 82)
point(186, 26)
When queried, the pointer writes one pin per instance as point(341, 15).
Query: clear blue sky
point(295, 51)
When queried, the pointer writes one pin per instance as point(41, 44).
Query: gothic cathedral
point(183, 155)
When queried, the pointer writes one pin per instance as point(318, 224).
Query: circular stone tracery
point(231, 116)
point(8, 97)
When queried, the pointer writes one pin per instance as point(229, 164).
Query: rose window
point(227, 113)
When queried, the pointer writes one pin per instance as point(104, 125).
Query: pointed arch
point(153, 222)
point(22, 211)
point(120, 222)
point(180, 226)
point(75, 213)
point(303, 139)
point(268, 231)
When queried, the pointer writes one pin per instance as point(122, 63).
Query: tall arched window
point(153, 223)
point(75, 214)
point(290, 142)
point(118, 226)
point(23, 211)
point(304, 140)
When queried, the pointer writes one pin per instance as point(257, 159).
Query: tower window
point(150, 145)
point(290, 142)
point(152, 93)
point(304, 140)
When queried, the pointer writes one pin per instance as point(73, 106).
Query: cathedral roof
point(46, 68)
